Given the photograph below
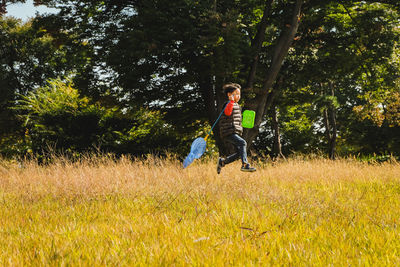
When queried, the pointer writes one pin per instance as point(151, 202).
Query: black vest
point(231, 124)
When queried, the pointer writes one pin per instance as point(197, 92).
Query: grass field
point(152, 212)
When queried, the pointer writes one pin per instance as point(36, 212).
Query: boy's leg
point(220, 164)
point(231, 158)
point(240, 145)
point(242, 149)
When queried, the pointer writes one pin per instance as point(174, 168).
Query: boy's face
point(235, 95)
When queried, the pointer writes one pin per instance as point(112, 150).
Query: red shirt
point(229, 108)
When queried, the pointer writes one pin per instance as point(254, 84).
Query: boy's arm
point(229, 108)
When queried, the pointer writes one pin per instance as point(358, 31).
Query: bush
point(58, 118)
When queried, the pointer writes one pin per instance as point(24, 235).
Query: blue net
point(196, 151)
point(198, 147)
point(189, 159)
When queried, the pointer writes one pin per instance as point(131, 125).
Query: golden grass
point(153, 212)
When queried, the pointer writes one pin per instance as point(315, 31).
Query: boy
point(231, 129)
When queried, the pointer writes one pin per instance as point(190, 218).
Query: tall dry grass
point(103, 211)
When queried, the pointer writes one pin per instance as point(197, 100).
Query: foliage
point(29, 55)
point(58, 118)
point(351, 49)
point(168, 60)
point(138, 132)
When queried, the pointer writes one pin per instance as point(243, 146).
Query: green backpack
point(248, 118)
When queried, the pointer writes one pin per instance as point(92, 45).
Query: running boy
point(231, 129)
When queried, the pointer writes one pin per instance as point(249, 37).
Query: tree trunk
point(256, 45)
point(332, 141)
point(277, 147)
point(207, 93)
point(327, 124)
point(332, 118)
point(263, 100)
point(329, 119)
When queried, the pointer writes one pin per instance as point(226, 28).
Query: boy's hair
point(230, 87)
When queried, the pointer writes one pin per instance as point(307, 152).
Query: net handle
point(205, 138)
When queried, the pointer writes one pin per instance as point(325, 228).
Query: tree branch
point(3, 8)
point(257, 45)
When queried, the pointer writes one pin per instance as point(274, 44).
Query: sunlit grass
point(153, 212)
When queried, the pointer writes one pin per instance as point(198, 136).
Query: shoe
point(247, 168)
point(220, 164)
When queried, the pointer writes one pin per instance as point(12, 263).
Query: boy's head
point(230, 87)
point(232, 90)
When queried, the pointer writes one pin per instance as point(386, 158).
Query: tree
point(29, 55)
point(182, 50)
point(174, 57)
point(338, 59)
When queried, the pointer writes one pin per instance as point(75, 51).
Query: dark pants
point(240, 145)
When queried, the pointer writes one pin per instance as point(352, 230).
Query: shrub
point(58, 118)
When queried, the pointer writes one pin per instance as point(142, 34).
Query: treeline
point(137, 77)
